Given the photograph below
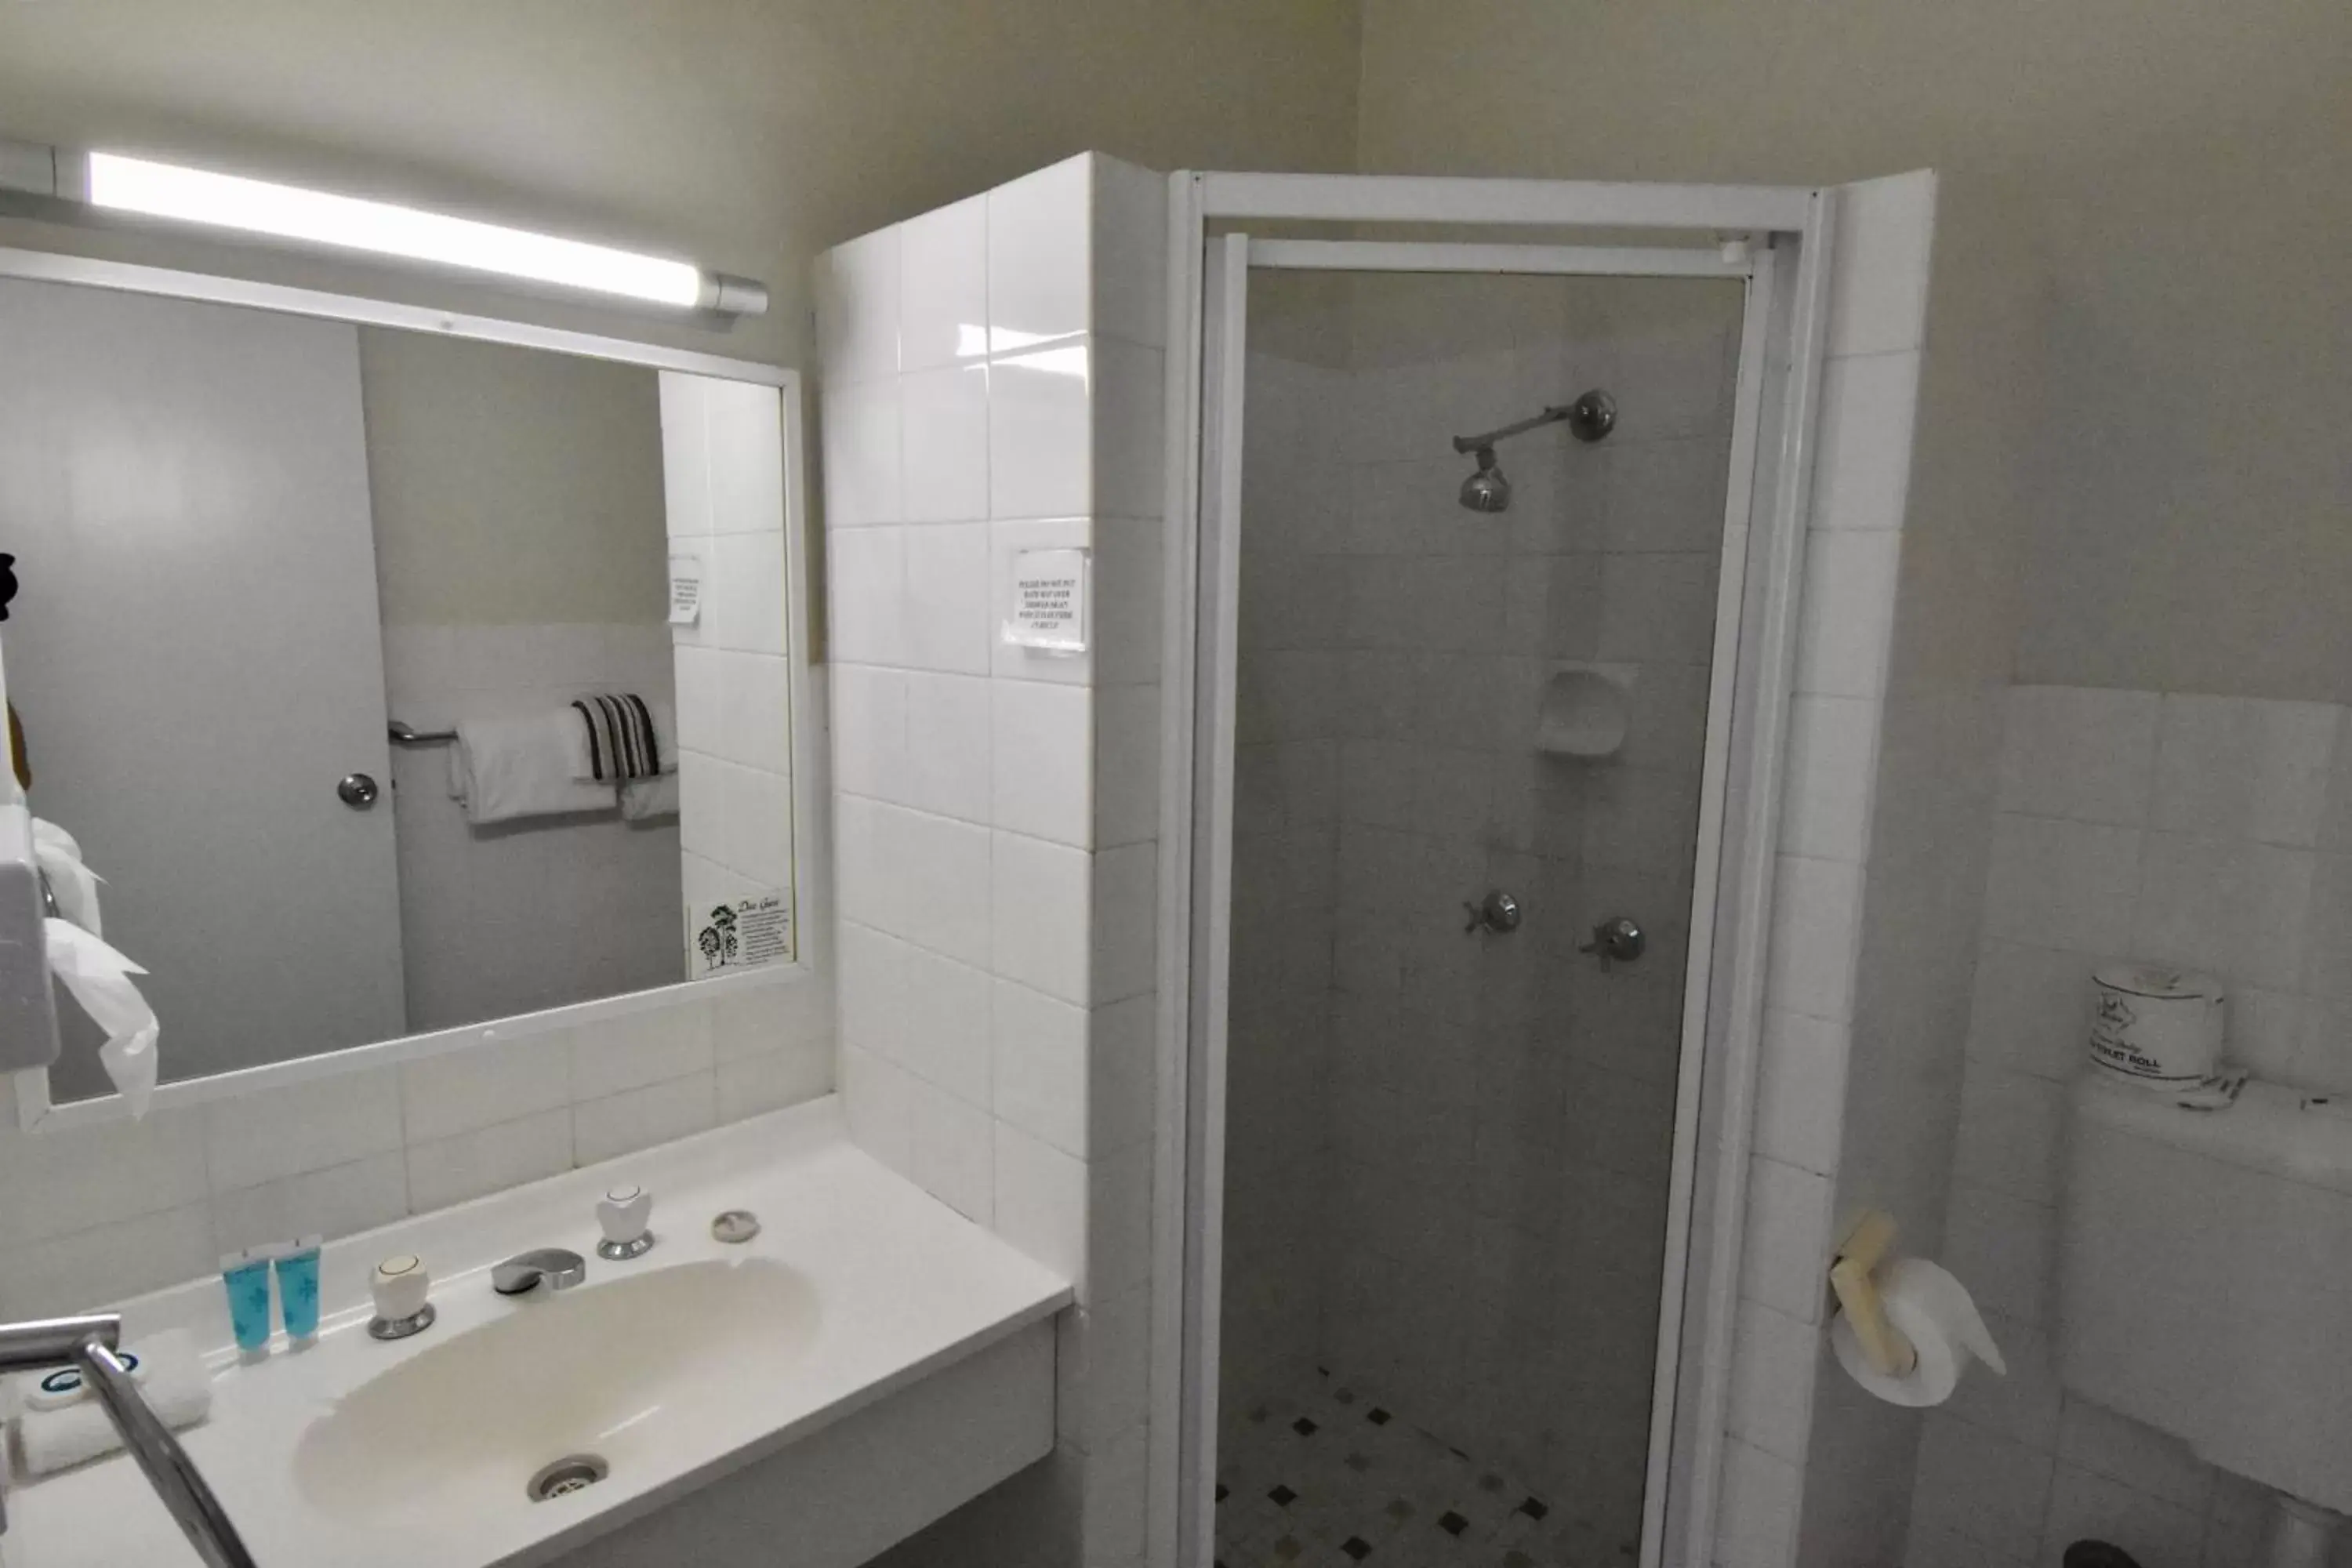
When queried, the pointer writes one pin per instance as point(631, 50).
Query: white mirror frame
point(35, 1111)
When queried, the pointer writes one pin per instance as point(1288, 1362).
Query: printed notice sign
point(741, 933)
point(684, 590)
point(1049, 600)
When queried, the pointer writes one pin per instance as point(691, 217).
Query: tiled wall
point(723, 461)
point(476, 938)
point(1842, 723)
point(2209, 831)
point(94, 1214)
point(1499, 1110)
point(993, 383)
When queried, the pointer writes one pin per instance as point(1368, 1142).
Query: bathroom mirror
point(394, 673)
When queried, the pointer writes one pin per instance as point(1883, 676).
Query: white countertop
point(901, 1287)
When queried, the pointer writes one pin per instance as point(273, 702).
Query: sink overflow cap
point(735, 1225)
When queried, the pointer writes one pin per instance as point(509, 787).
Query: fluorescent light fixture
point(346, 223)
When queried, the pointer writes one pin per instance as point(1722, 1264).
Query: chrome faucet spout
point(560, 1266)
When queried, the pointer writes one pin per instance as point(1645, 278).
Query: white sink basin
point(607, 1370)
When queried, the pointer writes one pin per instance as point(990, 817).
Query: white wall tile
point(861, 454)
point(1981, 1487)
point(1040, 255)
point(943, 285)
point(1131, 252)
point(747, 459)
point(2079, 752)
point(456, 1092)
point(947, 746)
point(945, 865)
point(1800, 1091)
point(1130, 429)
point(1038, 1049)
point(641, 1117)
point(686, 455)
point(878, 1097)
point(943, 473)
point(1125, 922)
point(1878, 276)
point(2010, 1127)
point(1862, 472)
point(2237, 768)
point(2000, 1246)
point(88, 1268)
point(2148, 1461)
point(2085, 1505)
point(869, 732)
point(2031, 1009)
point(1755, 1525)
point(309, 1126)
point(1123, 1065)
point(488, 1159)
point(58, 1183)
point(1119, 1222)
point(1815, 907)
point(1041, 1201)
point(2233, 906)
point(637, 1049)
point(1848, 616)
point(341, 1200)
point(743, 592)
point(752, 1085)
point(2063, 884)
point(952, 1145)
point(1773, 1365)
point(946, 1042)
point(1041, 433)
point(869, 884)
point(868, 607)
point(857, 310)
point(1784, 1262)
point(1042, 744)
point(1041, 905)
point(1127, 765)
point(1833, 761)
point(947, 615)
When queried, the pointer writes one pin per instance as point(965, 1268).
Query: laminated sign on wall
point(741, 933)
point(1049, 600)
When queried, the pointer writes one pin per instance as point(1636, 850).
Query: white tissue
point(71, 883)
point(100, 979)
point(1933, 1311)
point(174, 1382)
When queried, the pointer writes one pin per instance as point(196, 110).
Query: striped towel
point(620, 736)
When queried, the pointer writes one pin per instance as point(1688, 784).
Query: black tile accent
point(1533, 1508)
point(1221, 1492)
point(1398, 1508)
point(1359, 1463)
point(1283, 1496)
point(1452, 1522)
point(1357, 1547)
point(1305, 1427)
point(1378, 1416)
point(1490, 1483)
point(1344, 1395)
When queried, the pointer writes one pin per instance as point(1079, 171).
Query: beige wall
point(2144, 208)
point(511, 486)
point(748, 136)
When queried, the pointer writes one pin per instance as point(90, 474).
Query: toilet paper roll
point(1933, 1311)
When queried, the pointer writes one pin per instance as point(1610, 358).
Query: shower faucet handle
point(1618, 937)
point(1497, 912)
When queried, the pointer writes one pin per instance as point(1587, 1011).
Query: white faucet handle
point(400, 1285)
point(624, 1215)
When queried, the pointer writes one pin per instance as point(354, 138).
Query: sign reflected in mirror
point(389, 682)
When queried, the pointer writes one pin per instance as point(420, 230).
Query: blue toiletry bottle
point(247, 1275)
point(298, 1290)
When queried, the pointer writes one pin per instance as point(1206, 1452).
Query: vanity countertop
point(859, 1286)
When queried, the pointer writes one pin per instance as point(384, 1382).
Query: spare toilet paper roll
point(1933, 1311)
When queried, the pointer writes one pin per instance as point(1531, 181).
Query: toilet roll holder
point(1854, 1276)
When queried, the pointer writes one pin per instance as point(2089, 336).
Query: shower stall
point(1489, 629)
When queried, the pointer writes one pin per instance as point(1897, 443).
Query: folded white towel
point(172, 1378)
point(643, 798)
point(507, 768)
point(620, 735)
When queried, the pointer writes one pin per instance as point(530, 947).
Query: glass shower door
point(1482, 527)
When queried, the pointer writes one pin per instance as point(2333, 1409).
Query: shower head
point(1487, 489)
point(1589, 418)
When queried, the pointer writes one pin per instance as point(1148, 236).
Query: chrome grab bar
point(91, 1344)
point(403, 733)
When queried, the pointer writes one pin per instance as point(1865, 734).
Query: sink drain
point(567, 1475)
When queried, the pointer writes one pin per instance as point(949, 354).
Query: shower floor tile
point(1322, 1474)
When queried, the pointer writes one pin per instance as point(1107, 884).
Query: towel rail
point(403, 733)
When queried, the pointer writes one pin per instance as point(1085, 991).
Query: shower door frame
point(1786, 236)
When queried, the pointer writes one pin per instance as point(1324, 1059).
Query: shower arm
point(1551, 414)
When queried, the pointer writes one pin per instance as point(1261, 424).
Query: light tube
point(347, 222)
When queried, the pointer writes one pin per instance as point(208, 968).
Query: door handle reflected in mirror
point(357, 791)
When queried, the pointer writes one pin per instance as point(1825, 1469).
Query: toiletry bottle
point(298, 1290)
point(247, 1275)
